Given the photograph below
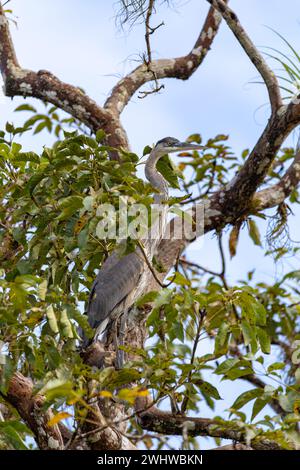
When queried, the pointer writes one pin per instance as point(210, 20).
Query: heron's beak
point(186, 146)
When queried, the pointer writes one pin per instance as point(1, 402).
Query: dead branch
point(48, 88)
point(30, 408)
point(180, 67)
point(162, 422)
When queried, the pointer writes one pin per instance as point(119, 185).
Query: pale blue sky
point(78, 41)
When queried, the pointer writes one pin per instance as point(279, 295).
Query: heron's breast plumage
point(112, 284)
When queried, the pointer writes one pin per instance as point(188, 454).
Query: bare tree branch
point(148, 57)
point(238, 198)
point(106, 432)
point(277, 193)
point(30, 408)
point(252, 52)
point(162, 422)
point(234, 447)
point(224, 207)
point(180, 67)
point(45, 86)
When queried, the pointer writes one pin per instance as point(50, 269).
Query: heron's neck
point(155, 178)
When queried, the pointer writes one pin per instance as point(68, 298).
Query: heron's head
point(170, 144)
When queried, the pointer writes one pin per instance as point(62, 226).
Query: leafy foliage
point(199, 327)
point(289, 74)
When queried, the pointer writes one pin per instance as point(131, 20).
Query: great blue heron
point(121, 280)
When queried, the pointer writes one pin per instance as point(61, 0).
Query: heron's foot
point(120, 356)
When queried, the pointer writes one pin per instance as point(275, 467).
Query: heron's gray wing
point(113, 283)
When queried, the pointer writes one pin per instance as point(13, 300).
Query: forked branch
point(181, 67)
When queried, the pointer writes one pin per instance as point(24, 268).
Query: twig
point(152, 269)
point(48, 88)
point(148, 60)
point(149, 30)
point(180, 67)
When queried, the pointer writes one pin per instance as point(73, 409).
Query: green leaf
point(208, 389)
point(7, 371)
point(52, 319)
point(249, 335)
point(147, 150)
point(239, 371)
point(226, 366)
point(9, 128)
point(246, 397)
point(26, 107)
point(163, 298)
point(194, 138)
point(254, 232)
point(66, 202)
point(15, 148)
point(180, 279)
point(248, 332)
point(100, 135)
point(264, 340)
point(147, 298)
point(252, 310)
point(34, 181)
point(41, 126)
point(292, 275)
point(221, 340)
point(123, 377)
point(233, 240)
point(82, 321)
point(166, 168)
point(260, 313)
point(276, 366)
point(176, 331)
point(12, 436)
point(42, 289)
point(66, 325)
point(27, 157)
point(57, 388)
point(258, 405)
point(26, 280)
point(69, 205)
point(287, 401)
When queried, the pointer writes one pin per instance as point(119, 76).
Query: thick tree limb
point(224, 207)
point(162, 422)
point(252, 52)
point(276, 194)
point(45, 86)
point(234, 447)
point(239, 199)
point(30, 408)
point(180, 67)
point(106, 432)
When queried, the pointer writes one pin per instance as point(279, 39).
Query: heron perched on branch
point(121, 280)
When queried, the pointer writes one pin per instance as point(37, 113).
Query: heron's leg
point(120, 341)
